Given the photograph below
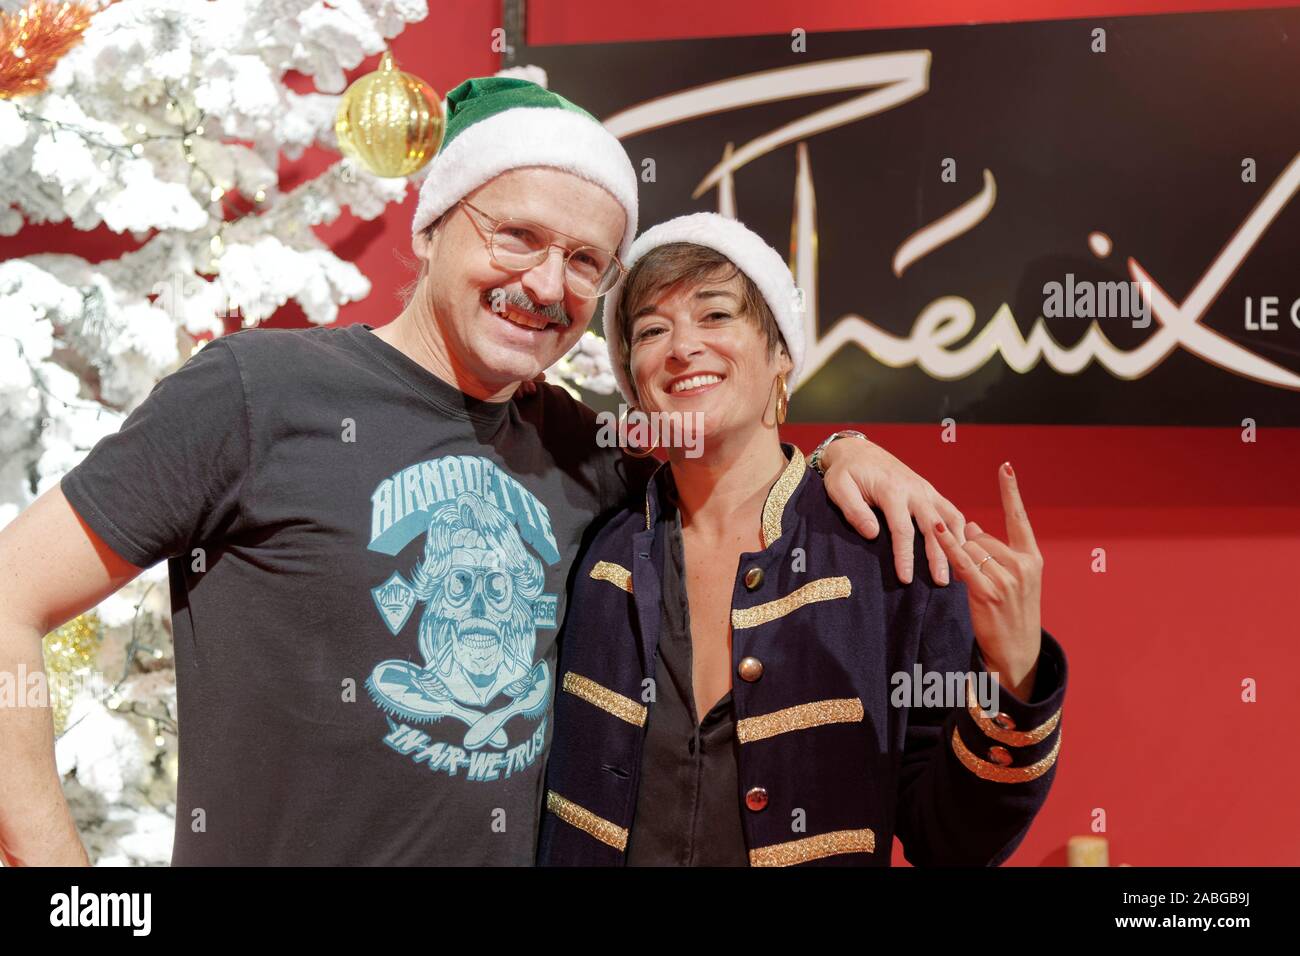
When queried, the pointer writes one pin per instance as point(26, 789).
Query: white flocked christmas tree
point(164, 113)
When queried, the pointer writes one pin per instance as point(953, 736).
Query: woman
point(737, 663)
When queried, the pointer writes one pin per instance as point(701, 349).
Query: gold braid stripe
point(814, 848)
point(586, 821)
point(1013, 738)
point(823, 589)
point(624, 708)
point(774, 506)
point(846, 711)
point(615, 574)
point(991, 771)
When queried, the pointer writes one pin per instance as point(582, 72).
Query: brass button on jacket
point(1004, 721)
point(750, 669)
point(754, 578)
point(756, 799)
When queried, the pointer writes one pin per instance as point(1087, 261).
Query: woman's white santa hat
point(747, 251)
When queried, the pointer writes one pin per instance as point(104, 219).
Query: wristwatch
point(815, 459)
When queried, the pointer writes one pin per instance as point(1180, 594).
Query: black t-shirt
point(367, 571)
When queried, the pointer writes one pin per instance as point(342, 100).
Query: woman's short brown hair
point(686, 263)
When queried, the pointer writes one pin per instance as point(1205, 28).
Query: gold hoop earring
point(782, 401)
point(629, 449)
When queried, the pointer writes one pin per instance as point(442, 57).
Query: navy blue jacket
point(837, 755)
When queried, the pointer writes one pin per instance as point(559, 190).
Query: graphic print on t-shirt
point(479, 586)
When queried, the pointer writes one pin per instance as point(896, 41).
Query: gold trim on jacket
point(816, 714)
point(779, 497)
point(813, 848)
point(823, 589)
point(987, 770)
point(612, 702)
point(610, 834)
point(615, 574)
point(1012, 738)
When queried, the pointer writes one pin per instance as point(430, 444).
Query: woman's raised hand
point(1004, 582)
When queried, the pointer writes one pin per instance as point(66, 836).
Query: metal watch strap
point(815, 459)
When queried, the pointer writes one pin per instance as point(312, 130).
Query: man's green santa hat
point(499, 123)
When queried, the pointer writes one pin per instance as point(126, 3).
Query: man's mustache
point(555, 312)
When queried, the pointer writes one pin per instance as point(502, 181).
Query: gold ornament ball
point(389, 121)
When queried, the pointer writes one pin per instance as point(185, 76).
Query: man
point(316, 490)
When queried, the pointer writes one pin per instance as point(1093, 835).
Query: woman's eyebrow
point(653, 307)
point(715, 293)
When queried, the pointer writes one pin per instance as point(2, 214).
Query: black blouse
point(688, 807)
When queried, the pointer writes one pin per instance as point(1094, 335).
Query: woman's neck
point(725, 490)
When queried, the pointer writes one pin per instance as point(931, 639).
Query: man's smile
point(522, 317)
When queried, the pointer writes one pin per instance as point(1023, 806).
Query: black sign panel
point(1081, 221)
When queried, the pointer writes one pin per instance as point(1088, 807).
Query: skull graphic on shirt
point(477, 583)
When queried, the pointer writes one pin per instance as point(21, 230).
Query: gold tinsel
point(389, 121)
point(34, 39)
point(69, 650)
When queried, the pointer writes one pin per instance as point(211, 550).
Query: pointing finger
point(1019, 533)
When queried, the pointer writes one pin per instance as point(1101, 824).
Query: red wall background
point(1201, 531)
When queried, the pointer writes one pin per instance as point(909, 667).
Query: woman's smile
point(697, 383)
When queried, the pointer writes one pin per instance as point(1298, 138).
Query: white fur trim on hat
point(747, 250)
point(529, 136)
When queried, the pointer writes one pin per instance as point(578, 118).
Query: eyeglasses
point(518, 245)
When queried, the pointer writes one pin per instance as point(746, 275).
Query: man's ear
point(423, 242)
point(420, 243)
